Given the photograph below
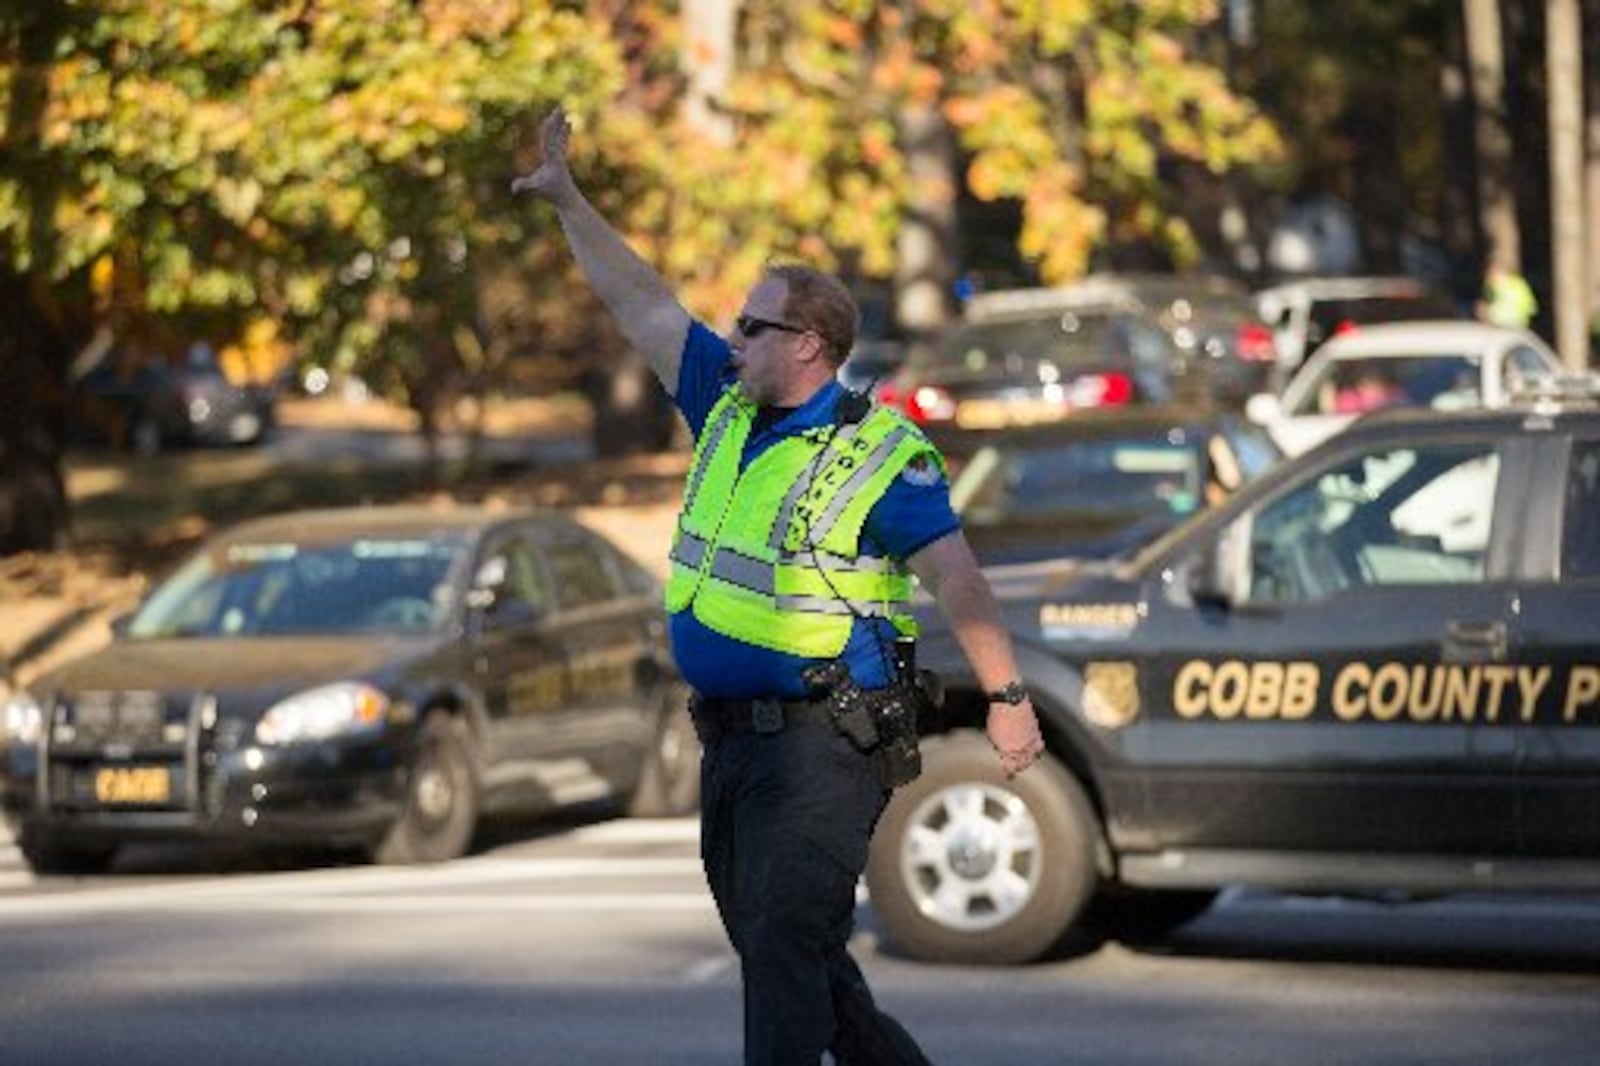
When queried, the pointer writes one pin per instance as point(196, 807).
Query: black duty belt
point(725, 718)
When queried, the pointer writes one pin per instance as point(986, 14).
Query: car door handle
point(1475, 642)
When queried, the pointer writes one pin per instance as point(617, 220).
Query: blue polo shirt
point(908, 518)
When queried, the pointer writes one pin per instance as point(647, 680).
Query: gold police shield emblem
point(1111, 694)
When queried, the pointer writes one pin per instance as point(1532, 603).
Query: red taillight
point(1344, 329)
point(1254, 344)
point(922, 403)
point(928, 403)
point(1100, 390)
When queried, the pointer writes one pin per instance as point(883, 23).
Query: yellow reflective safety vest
point(770, 555)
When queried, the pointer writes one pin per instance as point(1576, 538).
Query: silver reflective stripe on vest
point(862, 564)
point(842, 498)
point(713, 441)
point(802, 485)
point(828, 605)
point(727, 565)
point(753, 574)
point(690, 550)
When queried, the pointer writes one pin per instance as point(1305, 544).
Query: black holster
point(881, 723)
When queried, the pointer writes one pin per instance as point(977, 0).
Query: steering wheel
point(402, 612)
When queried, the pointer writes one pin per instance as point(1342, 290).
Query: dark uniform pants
point(785, 822)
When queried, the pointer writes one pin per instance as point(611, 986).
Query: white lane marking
point(610, 903)
point(359, 885)
point(641, 831)
point(16, 878)
point(709, 969)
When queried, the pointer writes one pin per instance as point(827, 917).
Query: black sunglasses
point(753, 327)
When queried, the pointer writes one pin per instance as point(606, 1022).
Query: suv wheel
point(970, 867)
point(441, 801)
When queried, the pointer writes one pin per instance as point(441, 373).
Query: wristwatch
point(1012, 692)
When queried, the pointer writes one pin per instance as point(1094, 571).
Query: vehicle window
point(1252, 447)
point(399, 585)
point(1149, 346)
point(1330, 317)
point(1064, 337)
point(1580, 535)
point(513, 569)
point(1153, 475)
point(1357, 386)
point(578, 570)
point(1403, 517)
point(1524, 363)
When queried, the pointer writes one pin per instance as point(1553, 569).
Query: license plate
point(115, 785)
point(997, 414)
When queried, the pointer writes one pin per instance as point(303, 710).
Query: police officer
point(805, 512)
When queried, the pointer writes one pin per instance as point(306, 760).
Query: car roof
point(1347, 288)
point(1425, 337)
point(388, 520)
point(1095, 422)
point(1106, 292)
point(1520, 412)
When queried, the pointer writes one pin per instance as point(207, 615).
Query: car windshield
point(1066, 338)
point(1131, 477)
point(1359, 385)
point(361, 585)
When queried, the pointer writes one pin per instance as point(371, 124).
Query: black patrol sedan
point(373, 678)
point(1374, 670)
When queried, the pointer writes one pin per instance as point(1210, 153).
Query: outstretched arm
point(948, 570)
point(637, 296)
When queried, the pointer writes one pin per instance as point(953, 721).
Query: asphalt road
point(596, 943)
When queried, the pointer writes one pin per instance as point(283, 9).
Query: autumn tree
point(334, 173)
point(337, 169)
point(1085, 114)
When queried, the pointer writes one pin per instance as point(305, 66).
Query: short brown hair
point(820, 302)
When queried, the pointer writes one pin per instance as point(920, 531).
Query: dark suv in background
point(145, 406)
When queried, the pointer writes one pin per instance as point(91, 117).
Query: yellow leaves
point(843, 33)
point(1059, 228)
point(238, 198)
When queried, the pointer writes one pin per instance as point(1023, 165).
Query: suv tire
point(970, 867)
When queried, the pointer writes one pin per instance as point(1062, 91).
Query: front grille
point(121, 722)
point(128, 750)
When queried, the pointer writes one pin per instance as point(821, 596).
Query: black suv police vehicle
point(1376, 669)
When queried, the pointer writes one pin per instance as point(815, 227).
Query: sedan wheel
point(669, 783)
point(441, 803)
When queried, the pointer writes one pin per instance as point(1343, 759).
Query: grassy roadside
point(134, 517)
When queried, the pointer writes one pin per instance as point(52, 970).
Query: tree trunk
point(924, 278)
point(632, 413)
point(1591, 77)
point(1497, 204)
point(1563, 28)
point(34, 356)
point(708, 57)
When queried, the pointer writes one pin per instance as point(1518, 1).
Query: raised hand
point(551, 180)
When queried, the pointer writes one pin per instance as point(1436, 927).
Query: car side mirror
point(500, 612)
point(1263, 409)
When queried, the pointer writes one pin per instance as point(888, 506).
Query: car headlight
point(348, 707)
point(21, 721)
